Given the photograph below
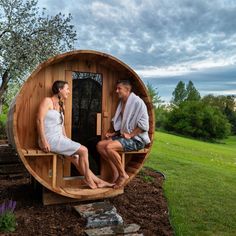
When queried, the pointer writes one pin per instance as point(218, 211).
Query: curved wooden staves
point(55, 173)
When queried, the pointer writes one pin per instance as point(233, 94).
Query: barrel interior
point(92, 80)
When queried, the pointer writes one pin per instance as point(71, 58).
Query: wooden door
point(86, 107)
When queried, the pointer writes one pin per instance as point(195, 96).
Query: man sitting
point(129, 131)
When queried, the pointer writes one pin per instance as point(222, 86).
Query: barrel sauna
point(92, 78)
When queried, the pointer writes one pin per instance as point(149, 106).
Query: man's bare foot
point(90, 183)
point(114, 178)
point(121, 181)
point(103, 184)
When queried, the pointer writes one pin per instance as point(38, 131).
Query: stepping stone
point(134, 234)
point(99, 214)
point(105, 219)
point(87, 210)
point(130, 229)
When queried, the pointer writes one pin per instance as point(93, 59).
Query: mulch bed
point(142, 203)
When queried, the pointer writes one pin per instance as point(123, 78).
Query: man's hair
point(126, 82)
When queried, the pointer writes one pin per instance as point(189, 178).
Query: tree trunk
point(3, 88)
point(1, 106)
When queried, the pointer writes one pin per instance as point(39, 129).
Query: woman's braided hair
point(57, 85)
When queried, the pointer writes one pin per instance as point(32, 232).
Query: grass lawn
point(200, 184)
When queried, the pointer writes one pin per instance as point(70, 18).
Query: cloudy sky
point(164, 41)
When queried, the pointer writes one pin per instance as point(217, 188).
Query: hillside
point(200, 183)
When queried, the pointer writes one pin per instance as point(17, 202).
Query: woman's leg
point(79, 163)
point(82, 164)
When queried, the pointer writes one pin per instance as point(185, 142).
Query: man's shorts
point(129, 144)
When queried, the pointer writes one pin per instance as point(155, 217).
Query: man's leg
point(102, 149)
point(99, 182)
point(112, 149)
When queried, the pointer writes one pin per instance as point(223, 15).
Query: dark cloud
point(161, 34)
point(221, 80)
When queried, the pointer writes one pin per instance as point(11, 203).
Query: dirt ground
point(142, 203)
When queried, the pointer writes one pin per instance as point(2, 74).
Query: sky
point(163, 41)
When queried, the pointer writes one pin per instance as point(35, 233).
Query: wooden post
point(54, 171)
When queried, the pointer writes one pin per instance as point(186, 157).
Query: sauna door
point(86, 107)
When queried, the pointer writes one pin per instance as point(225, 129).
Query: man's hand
point(127, 136)
point(135, 132)
point(109, 135)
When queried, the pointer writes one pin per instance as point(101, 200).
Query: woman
point(52, 136)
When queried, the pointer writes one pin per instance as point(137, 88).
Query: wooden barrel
point(92, 78)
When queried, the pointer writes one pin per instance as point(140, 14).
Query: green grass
point(200, 184)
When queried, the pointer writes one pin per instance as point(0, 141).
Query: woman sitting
point(52, 136)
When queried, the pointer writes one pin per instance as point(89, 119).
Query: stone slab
point(134, 234)
point(99, 214)
point(130, 229)
point(86, 210)
point(104, 219)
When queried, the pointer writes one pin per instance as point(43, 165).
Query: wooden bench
point(40, 153)
point(123, 154)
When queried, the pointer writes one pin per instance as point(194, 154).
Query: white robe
point(135, 115)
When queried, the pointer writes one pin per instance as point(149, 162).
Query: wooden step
point(12, 169)
point(8, 155)
point(50, 198)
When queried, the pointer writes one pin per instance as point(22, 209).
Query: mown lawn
point(200, 184)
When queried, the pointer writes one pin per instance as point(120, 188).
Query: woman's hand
point(46, 147)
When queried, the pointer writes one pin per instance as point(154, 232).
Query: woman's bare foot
point(103, 184)
point(90, 183)
point(121, 181)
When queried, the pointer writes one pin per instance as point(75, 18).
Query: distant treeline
point(209, 117)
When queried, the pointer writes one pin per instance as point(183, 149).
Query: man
point(129, 131)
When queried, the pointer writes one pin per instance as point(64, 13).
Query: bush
point(226, 104)
point(7, 222)
point(3, 118)
point(161, 114)
point(196, 119)
point(7, 217)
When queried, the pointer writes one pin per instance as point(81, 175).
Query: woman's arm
point(43, 108)
point(64, 130)
point(63, 125)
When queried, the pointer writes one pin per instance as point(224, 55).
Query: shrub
point(196, 119)
point(161, 114)
point(3, 118)
point(7, 217)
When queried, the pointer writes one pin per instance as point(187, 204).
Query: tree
point(191, 92)
point(196, 119)
point(221, 101)
point(179, 94)
point(153, 93)
point(28, 37)
point(161, 116)
point(226, 104)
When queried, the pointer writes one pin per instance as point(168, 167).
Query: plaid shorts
point(129, 144)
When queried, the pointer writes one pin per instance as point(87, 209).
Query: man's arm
point(135, 132)
point(110, 132)
point(142, 124)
